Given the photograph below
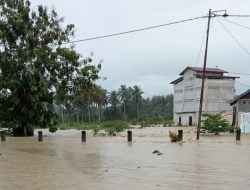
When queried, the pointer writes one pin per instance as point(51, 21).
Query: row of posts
point(129, 135)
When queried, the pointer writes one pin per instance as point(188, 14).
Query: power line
point(239, 15)
point(243, 26)
point(146, 28)
point(135, 30)
point(233, 37)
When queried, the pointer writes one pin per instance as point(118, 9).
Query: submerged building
point(241, 107)
point(218, 93)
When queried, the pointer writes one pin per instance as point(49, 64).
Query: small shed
point(241, 107)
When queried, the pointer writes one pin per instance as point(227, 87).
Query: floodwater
point(62, 161)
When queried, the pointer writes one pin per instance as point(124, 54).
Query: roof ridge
point(239, 97)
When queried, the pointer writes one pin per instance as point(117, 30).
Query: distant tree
point(124, 95)
point(114, 102)
point(100, 98)
point(137, 96)
point(35, 67)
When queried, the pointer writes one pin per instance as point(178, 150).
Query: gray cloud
point(153, 58)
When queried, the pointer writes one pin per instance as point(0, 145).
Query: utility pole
point(203, 78)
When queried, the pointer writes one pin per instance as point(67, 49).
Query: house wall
point(185, 118)
point(217, 96)
point(244, 105)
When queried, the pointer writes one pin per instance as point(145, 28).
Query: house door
point(190, 121)
point(179, 121)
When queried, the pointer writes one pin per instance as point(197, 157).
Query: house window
point(244, 102)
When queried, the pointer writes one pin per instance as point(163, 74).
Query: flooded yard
point(62, 161)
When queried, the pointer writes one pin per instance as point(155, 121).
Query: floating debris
point(155, 152)
point(173, 136)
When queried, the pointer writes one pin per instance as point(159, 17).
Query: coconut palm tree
point(123, 95)
point(137, 96)
point(101, 99)
point(114, 101)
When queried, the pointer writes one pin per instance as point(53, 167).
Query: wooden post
point(180, 135)
point(238, 133)
point(83, 136)
point(129, 136)
point(3, 138)
point(40, 136)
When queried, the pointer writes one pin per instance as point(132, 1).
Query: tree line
point(96, 105)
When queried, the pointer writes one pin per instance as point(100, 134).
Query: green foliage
point(157, 106)
point(52, 129)
point(17, 131)
point(134, 121)
point(96, 130)
point(35, 70)
point(215, 123)
point(113, 127)
point(96, 105)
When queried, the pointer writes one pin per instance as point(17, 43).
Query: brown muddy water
point(61, 161)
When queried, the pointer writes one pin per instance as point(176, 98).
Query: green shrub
point(52, 129)
point(111, 132)
point(96, 130)
point(133, 121)
point(215, 123)
point(62, 128)
point(113, 127)
point(18, 131)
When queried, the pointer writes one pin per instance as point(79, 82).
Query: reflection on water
point(112, 163)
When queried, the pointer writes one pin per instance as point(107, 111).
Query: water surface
point(107, 163)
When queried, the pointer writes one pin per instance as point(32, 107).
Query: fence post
point(3, 138)
point(40, 136)
point(129, 136)
point(238, 133)
point(180, 135)
point(83, 136)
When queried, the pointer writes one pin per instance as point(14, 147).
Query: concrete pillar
point(3, 137)
point(83, 136)
point(40, 136)
point(129, 136)
point(238, 133)
point(180, 135)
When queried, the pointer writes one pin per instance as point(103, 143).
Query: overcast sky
point(153, 58)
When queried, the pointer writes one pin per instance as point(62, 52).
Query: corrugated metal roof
point(200, 69)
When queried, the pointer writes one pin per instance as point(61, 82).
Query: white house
point(218, 93)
